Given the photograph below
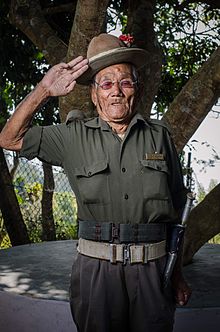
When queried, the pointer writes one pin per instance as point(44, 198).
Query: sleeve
point(176, 184)
point(45, 143)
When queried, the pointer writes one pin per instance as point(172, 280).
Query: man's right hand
point(58, 81)
point(61, 78)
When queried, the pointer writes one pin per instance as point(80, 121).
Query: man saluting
point(125, 173)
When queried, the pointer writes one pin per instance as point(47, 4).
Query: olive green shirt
point(134, 180)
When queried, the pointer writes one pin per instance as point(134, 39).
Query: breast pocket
point(92, 182)
point(158, 204)
point(155, 178)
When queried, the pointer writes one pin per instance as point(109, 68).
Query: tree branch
point(27, 15)
point(68, 7)
point(214, 4)
point(203, 224)
point(195, 100)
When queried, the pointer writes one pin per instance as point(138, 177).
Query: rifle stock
point(175, 239)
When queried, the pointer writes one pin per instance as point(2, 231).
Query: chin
point(122, 118)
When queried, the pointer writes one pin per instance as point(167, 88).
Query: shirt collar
point(97, 122)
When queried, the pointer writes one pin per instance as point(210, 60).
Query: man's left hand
point(182, 291)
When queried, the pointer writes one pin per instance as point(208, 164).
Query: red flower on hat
point(127, 39)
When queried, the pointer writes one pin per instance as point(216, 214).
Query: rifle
point(176, 238)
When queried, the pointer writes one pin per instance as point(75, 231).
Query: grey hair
point(134, 74)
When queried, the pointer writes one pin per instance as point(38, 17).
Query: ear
point(93, 94)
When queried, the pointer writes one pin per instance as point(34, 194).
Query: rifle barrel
point(188, 207)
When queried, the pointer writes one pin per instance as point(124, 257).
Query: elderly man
point(126, 176)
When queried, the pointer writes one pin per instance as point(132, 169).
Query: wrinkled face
point(114, 104)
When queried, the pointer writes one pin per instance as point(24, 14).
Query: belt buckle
point(126, 254)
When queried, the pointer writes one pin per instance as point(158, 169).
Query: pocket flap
point(158, 165)
point(92, 169)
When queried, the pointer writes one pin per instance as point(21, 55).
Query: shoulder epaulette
point(74, 115)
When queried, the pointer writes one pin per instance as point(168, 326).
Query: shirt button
point(126, 196)
point(89, 173)
point(123, 169)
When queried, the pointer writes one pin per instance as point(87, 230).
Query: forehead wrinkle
point(108, 77)
point(111, 75)
point(123, 69)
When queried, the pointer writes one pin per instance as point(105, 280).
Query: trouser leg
point(98, 297)
point(109, 297)
point(151, 309)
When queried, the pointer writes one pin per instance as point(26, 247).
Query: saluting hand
point(61, 78)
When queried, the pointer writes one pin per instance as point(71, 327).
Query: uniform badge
point(154, 156)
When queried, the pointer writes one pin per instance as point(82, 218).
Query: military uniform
point(136, 180)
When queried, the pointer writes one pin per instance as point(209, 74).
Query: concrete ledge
point(34, 283)
point(22, 314)
point(197, 320)
point(39, 270)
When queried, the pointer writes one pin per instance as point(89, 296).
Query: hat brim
point(136, 56)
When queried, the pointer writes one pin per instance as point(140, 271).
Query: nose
point(116, 89)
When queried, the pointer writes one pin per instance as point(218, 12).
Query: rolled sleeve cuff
point(31, 143)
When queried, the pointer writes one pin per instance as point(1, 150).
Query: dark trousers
point(107, 297)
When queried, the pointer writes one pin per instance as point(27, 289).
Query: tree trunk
point(9, 206)
point(203, 224)
point(89, 21)
point(194, 102)
point(49, 232)
point(141, 26)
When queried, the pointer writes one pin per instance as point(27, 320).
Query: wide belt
point(114, 253)
point(107, 231)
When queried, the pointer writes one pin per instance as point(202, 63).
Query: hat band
point(100, 55)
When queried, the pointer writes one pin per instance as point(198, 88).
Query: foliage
point(204, 163)
point(117, 15)
point(22, 66)
point(187, 171)
point(19, 64)
point(4, 238)
point(212, 184)
point(188, 158)
point(187, 37)
point(29, 197)
point(215, 239)
point(64, 211)
point(201, 193)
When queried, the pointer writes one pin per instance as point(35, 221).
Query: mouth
point(116, 103)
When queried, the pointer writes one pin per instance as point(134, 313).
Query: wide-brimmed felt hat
point(106, 50)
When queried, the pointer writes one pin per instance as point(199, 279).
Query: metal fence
point(28, 184)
